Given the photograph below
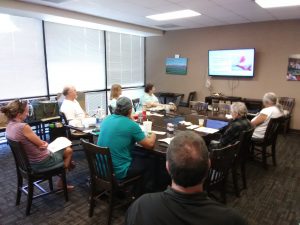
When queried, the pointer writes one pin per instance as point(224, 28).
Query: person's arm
point(31, 136)
point(259, 120)
point(149, 141)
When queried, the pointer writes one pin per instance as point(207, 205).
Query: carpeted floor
point(272, 197)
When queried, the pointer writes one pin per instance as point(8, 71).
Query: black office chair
point(191, 97)
point(222, 161)
point(102, 177)
point(74, 137)
point(260, 145)
point(34, 177)
point(243, 155)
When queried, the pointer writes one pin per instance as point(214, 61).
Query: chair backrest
point(201, 107)
point(135, 103)
point(245, 143)
point(100, 165)
point(272, 130)
point(191, 97)
point(65, 122)
point(221, 161)
point(110, 109)
point(21, 159)
point(287, 103)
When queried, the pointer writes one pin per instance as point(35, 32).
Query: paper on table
point(192, 127)
point(166, 140)
point(88, 131)
point(58, 144)
point(185, 123)
point(159, 132)
point(155, 114)
point(228, 116)
point(207, 130)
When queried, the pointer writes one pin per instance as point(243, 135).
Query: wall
point(274, 42)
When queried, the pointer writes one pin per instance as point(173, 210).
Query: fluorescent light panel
point(174, 15)
point(277, 3)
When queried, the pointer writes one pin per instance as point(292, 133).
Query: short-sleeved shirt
point(233, 131)
point(119, 134)
point(270, 112)
point(146, 98)
point(171, 207)
point(72, 109)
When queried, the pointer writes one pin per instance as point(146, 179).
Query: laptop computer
point(216, 124)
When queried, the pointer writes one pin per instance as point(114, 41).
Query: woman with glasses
point(36, 149)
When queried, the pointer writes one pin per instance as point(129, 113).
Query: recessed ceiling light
point(174, 15)
point(277, 3)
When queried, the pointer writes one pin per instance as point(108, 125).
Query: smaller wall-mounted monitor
point(176, 66)
point(231, 63)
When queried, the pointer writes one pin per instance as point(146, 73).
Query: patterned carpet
point(272, 197)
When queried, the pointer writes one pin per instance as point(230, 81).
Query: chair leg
point(274, 154)
point(92, 205)
point(29, 196)
point(50, 184)
point(235, 182)
point(19, 189)
point(264, 157)
point(110, 207)
point(64, 181)
point(243, 172)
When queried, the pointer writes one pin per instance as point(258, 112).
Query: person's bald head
point(187, 159)
point(70, 92)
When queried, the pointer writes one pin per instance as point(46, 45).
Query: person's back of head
point(187, 159)
point(239, 108)
point(13, 108)
point(123, 106)
point(270, 99)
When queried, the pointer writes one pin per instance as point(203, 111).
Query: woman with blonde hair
point(36, 149)
point(115, 93)
point(271, 110)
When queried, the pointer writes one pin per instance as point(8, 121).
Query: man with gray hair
point(184, 202)
point(120, 134)
point(238, 124)
point(70, 106)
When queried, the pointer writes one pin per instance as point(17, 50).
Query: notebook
point(216, 124)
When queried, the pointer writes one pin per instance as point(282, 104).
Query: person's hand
point(44, 145)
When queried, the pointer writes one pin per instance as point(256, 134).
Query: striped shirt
point(14, 131)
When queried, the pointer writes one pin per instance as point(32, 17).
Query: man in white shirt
point(70, 106)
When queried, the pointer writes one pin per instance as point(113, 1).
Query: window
point(75, 56)
point(125, 59)
point(93, 100)
point(22, 60)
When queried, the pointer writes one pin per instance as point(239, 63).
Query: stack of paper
point(166, 140)
point(159, 132)
point(192, 127)
point(59, 144)
point(207, 130)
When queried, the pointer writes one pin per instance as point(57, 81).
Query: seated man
point(238, 124)
point(70, 106)
point(184, 202)
point(120, 133)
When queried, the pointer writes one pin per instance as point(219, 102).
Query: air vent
point(56, 1)
point(167, 26)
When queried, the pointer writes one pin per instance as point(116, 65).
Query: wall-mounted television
point(176, 66)
point(231, 62)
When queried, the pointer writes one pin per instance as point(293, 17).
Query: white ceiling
point(214, 12)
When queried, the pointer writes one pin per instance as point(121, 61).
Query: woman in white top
point(149, 99)
point(271, 110)
point(115, 93)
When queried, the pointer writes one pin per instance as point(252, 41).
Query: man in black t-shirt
point(184, 202)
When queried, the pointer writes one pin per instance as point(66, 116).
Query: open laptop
point(216, 124)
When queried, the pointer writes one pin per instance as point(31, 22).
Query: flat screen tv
point(231, 62)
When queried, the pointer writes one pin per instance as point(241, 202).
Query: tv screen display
point(231, 63)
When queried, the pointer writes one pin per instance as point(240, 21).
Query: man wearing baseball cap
point(120, 134)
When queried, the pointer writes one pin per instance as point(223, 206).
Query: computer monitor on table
point(216, 124)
